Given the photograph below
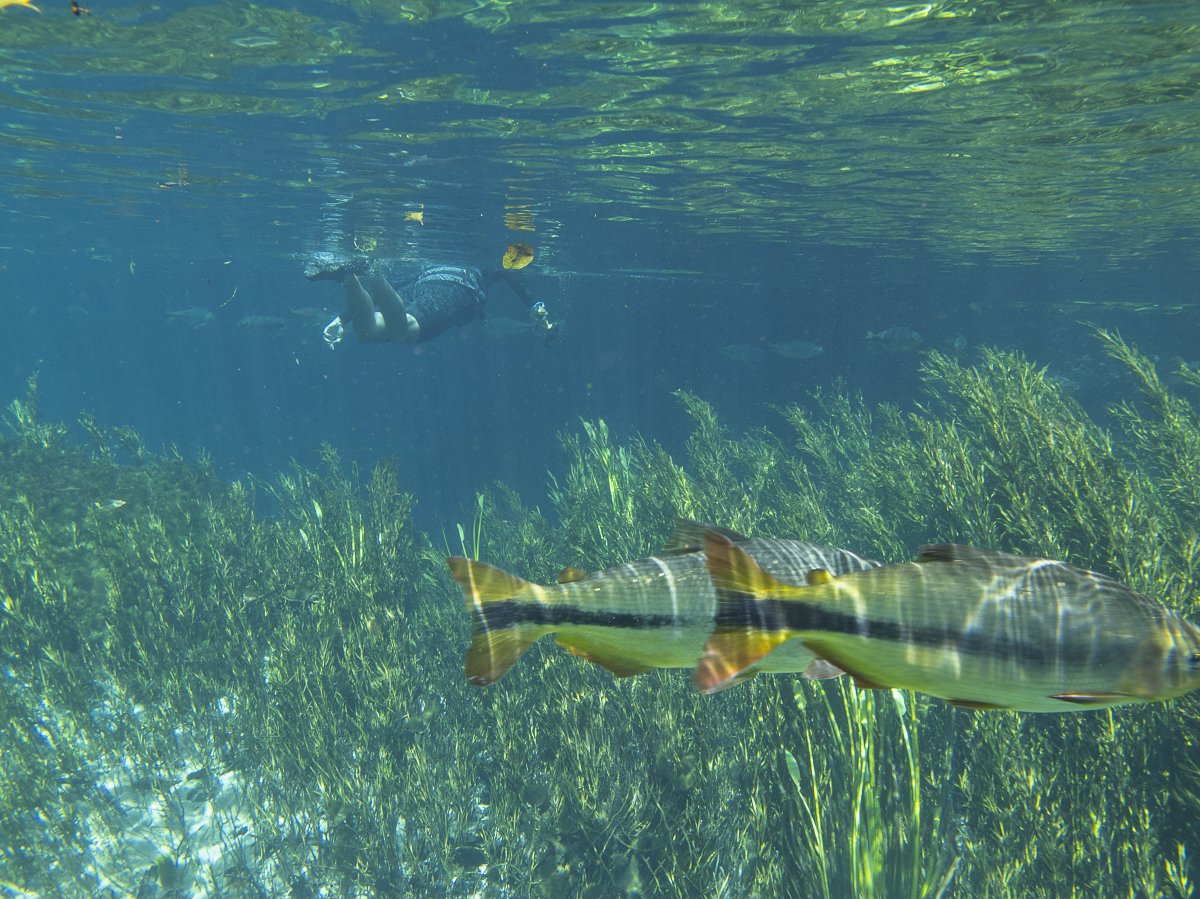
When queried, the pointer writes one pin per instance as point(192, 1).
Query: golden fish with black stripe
point(979, 628)
point(652, 613)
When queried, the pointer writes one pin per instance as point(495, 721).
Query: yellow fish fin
point(612, 662)
point(818, 577)
point(743, 633)
point(734, 571)
point(499, 636)
point(483, 583)
point(730, 655)
point(570, 575)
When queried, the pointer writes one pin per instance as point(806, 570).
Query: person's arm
point(514, 282)
point(538, 315)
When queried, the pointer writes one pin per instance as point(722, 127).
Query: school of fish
point(977, 628)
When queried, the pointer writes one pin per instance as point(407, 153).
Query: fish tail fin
point(746, 628)
point(498, 636)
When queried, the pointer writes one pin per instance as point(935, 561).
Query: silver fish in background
point(897, 339)
point(261, 324)
point(797, 349)
point(192, 316)
point(651, 613)
point(979, 628)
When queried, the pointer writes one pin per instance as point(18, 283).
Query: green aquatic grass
point(159, 631)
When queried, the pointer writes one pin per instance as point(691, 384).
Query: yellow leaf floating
point(418, 216)
point(518, 255)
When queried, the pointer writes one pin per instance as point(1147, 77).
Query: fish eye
point(1194, 660)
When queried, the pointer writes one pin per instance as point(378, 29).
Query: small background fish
point(797, 349)
point(898, 339)
point(192, 316)
point(261, 324)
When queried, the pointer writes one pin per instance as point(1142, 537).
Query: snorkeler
point(442, 296)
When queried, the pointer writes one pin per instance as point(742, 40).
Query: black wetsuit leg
point(439, 305)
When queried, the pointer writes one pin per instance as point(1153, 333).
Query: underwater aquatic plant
point(300, 673)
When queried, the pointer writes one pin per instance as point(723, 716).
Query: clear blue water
point(700, 175)
point(703, 184)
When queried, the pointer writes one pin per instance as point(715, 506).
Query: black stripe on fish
point(737, 611)
point(511, 613)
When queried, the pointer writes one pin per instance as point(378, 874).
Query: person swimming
point(441, 297)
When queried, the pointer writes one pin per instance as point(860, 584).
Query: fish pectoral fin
point(609, 661)
point(820, 669)
point(823, 656)
point(734, 681)
point(730, 654)
point(1096, 699)
point(743, 635)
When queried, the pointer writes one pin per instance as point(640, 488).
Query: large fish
point(651, 613)
point(978, 628)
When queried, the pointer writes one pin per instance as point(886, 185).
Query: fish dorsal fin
point(615, 664)
point(735, 573)
point(957, 552)
point(570, 575)
point(818, 577)
point(688, 536)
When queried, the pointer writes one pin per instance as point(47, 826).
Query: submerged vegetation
point(202, 698)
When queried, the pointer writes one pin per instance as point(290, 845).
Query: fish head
point(1181, 663)
point(1192, 657)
